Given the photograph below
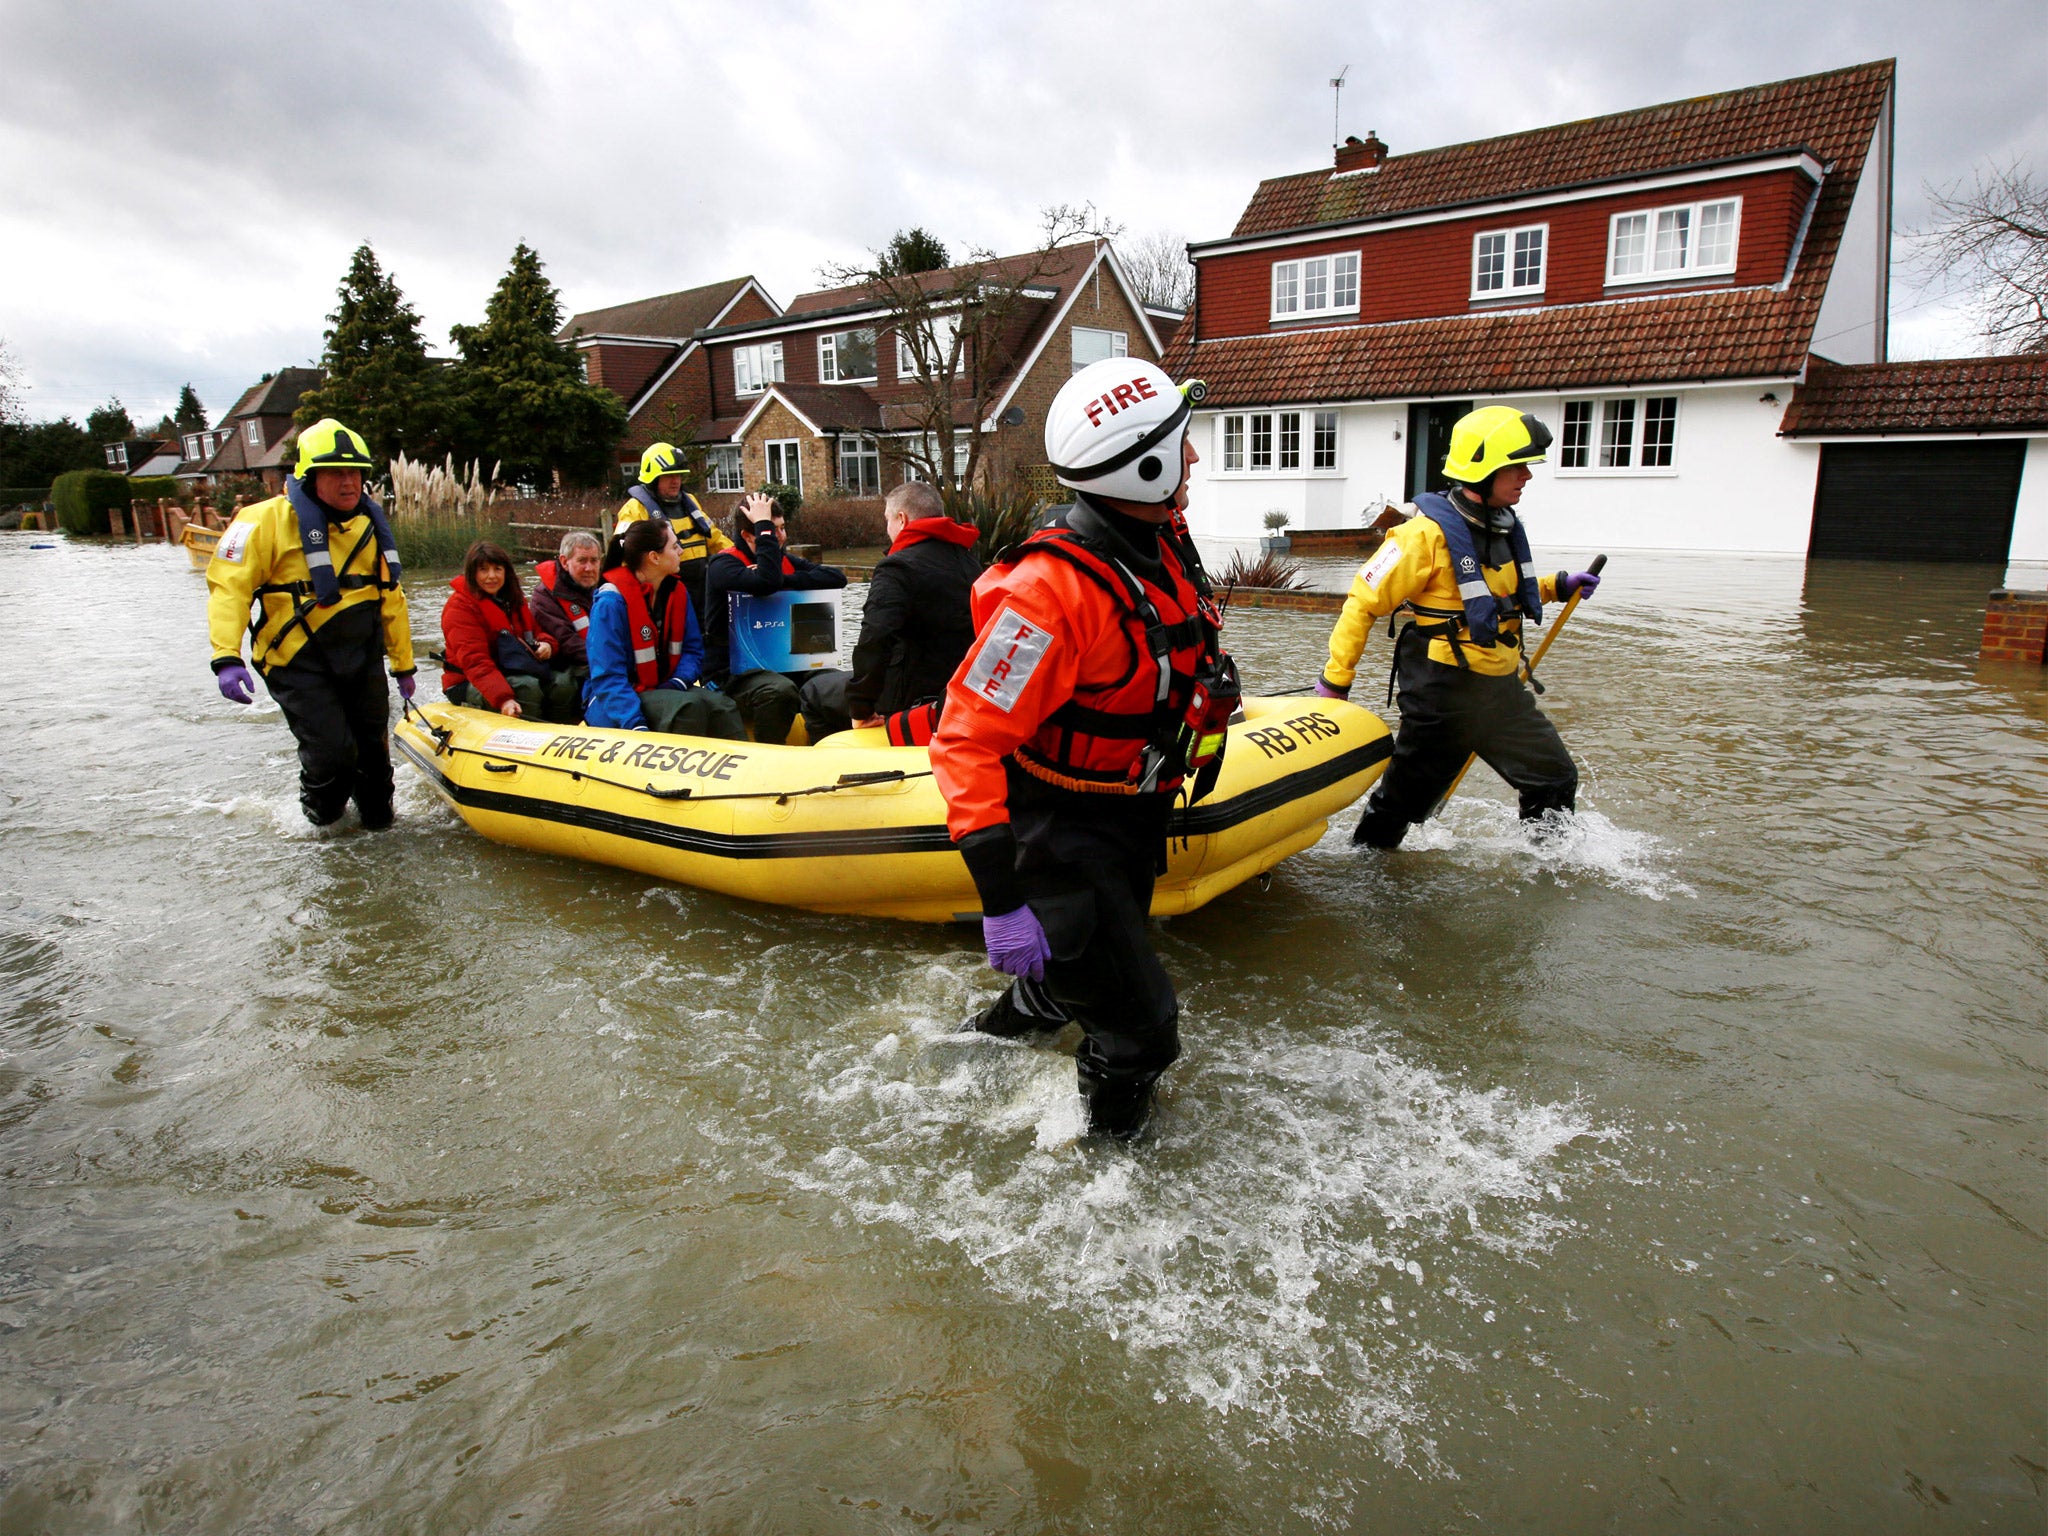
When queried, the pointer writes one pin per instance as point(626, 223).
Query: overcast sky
point(182, 186)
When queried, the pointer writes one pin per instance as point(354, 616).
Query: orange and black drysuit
point(1057, 758)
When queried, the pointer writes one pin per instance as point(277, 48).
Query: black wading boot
point(1379, 828)
point(1117, 1111)
point(1025, 1008)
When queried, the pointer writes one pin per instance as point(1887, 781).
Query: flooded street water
point(1686, 1176)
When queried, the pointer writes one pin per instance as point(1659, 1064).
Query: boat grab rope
point(444, 743)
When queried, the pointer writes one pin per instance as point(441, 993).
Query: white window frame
point(863, 451)
point(1255, 444)
point(929, 446)
point(722, 471)
point(942, 329)
point(828, 357)
point(1688, 267)
point(789, 450)
point(1316, 425)
point(750, 364)
point(1599, 414)
point(1509, 288)
point(1292, 280)
point(253, 429)
point(1119, 344)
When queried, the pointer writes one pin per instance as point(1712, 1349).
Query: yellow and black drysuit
point(1462, 572)
point(319, 645)
point(699, 539)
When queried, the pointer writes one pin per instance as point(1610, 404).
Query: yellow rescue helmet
point(661, 459)
point(1491, 438)
point(327, 444)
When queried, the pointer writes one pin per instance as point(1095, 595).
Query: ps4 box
point(785, 631)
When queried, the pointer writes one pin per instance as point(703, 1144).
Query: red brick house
point(1655, 284)
point(648, 354)
point(254, 439)
point(823, 395)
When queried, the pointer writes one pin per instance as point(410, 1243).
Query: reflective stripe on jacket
point(1414, 567)
point(258, 583)
point(1061, 677)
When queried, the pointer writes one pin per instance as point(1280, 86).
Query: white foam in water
point(1250, 1252)
point(1487, 834)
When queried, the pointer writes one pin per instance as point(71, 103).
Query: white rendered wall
point(1850, 328)
point(2030, 520)
point(1735, 484)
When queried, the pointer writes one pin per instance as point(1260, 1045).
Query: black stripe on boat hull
point(1201, 821)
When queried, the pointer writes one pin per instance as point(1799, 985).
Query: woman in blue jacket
point(646, 654)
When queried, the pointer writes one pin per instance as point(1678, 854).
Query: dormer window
point(1656, 245)
point(253, 428)
point(1315, 285)
point(1508, 263)
point(755, 368)
point(847, 357)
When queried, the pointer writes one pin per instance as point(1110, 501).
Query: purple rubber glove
point(1329, 690)
point(406, 683)
point(1016, 943)
point(236, 685)
point(1578, 584)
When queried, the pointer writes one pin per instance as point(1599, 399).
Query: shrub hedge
point(154, 488)
point(23, 495)
point(82, 497)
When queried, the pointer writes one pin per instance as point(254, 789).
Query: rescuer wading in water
point(1462, 570)
point(1096, 686)
point(312, 576)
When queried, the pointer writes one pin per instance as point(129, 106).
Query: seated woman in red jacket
point(494, 658)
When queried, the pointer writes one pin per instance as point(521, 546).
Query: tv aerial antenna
point(1337, 103)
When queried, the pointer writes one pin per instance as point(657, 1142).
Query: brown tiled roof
point(1829, 114)
point(1063, 267)
point(279, 394)
point(1716, 335)
point(833, 407)
point(679, 315)
point(1660, 338)
point(1951, 394)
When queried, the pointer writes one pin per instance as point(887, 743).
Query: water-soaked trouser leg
point(1429, 749)
point(1025, 1008)
point(822, 697)
point(1104, 974)
point(769, 702)
point(697, 711)
point(339, 723)
point(1517, 741)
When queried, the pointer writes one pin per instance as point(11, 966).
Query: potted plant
point(1276, 541)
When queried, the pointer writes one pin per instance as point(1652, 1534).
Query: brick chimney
point(1356, 154)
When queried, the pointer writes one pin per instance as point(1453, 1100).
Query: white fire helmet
point(1115, 429)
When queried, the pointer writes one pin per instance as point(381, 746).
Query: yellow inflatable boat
point(854, 824)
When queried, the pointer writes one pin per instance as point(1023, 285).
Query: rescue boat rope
point(445, 744)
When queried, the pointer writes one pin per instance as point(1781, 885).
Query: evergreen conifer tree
point(523, 400)
point(110, 423)
point(379, 379)
point(191, 415)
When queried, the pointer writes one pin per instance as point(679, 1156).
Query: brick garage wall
point(1101, 304)
point(2015, 627)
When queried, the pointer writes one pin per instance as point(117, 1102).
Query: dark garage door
point(1916, 501)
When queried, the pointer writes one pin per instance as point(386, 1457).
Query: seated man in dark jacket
point(757, 567)
point(563, 592)
point(918, 623)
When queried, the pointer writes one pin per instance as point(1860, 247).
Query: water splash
point(1488, 836)
point(1251, 1251)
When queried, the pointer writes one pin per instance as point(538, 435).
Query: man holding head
point(312, 576)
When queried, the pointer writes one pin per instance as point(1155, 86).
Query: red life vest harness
point(579, 615)
point(655, 651)
point(1139, 734)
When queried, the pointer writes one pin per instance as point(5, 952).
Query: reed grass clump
point(438, 510)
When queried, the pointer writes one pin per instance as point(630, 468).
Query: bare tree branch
point(960, 326)
point(1989, 236)
point(1159, 268)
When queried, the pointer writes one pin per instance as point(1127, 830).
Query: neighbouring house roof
point(1759, 332)
point(669, 316)
point(1950, 394)
point(279, 394)
point(159, 463)
point(1825, 113)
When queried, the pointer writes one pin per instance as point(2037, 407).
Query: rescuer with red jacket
point(1095, 692)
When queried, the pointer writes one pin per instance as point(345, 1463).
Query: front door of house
point(1429, 439)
